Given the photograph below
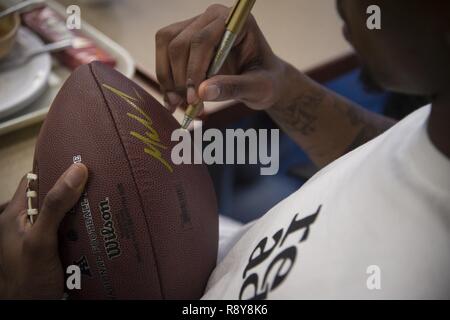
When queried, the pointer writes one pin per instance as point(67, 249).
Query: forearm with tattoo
point(323, 123)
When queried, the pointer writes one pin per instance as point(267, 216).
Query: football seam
point(134, 178)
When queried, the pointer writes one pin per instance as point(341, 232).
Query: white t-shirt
point(373, 224)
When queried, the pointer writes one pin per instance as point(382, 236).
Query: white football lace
point(31, 212)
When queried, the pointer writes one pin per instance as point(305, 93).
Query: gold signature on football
point(150, 138)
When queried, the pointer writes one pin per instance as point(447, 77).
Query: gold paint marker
point(234, 23)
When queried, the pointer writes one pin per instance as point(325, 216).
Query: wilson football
point(144, 228)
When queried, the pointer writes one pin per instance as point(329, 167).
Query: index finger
point(162, 40)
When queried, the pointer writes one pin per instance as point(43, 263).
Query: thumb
point(255, 88)
point(62, 197)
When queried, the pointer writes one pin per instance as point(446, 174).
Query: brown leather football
point(145, 228)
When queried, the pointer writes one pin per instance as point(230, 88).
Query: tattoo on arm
point(301, 114)
point(371, 124)
point(301, 117)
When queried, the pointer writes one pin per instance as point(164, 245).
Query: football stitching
point(134, 179)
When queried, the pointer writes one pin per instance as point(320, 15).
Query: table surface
point(306, 33)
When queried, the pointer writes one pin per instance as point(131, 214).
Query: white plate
point(36, 111)
point(22, 85)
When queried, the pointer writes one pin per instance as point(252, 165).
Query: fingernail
point(75, 176)
point(191, 95)
point(212, 92)
point(173, 99)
